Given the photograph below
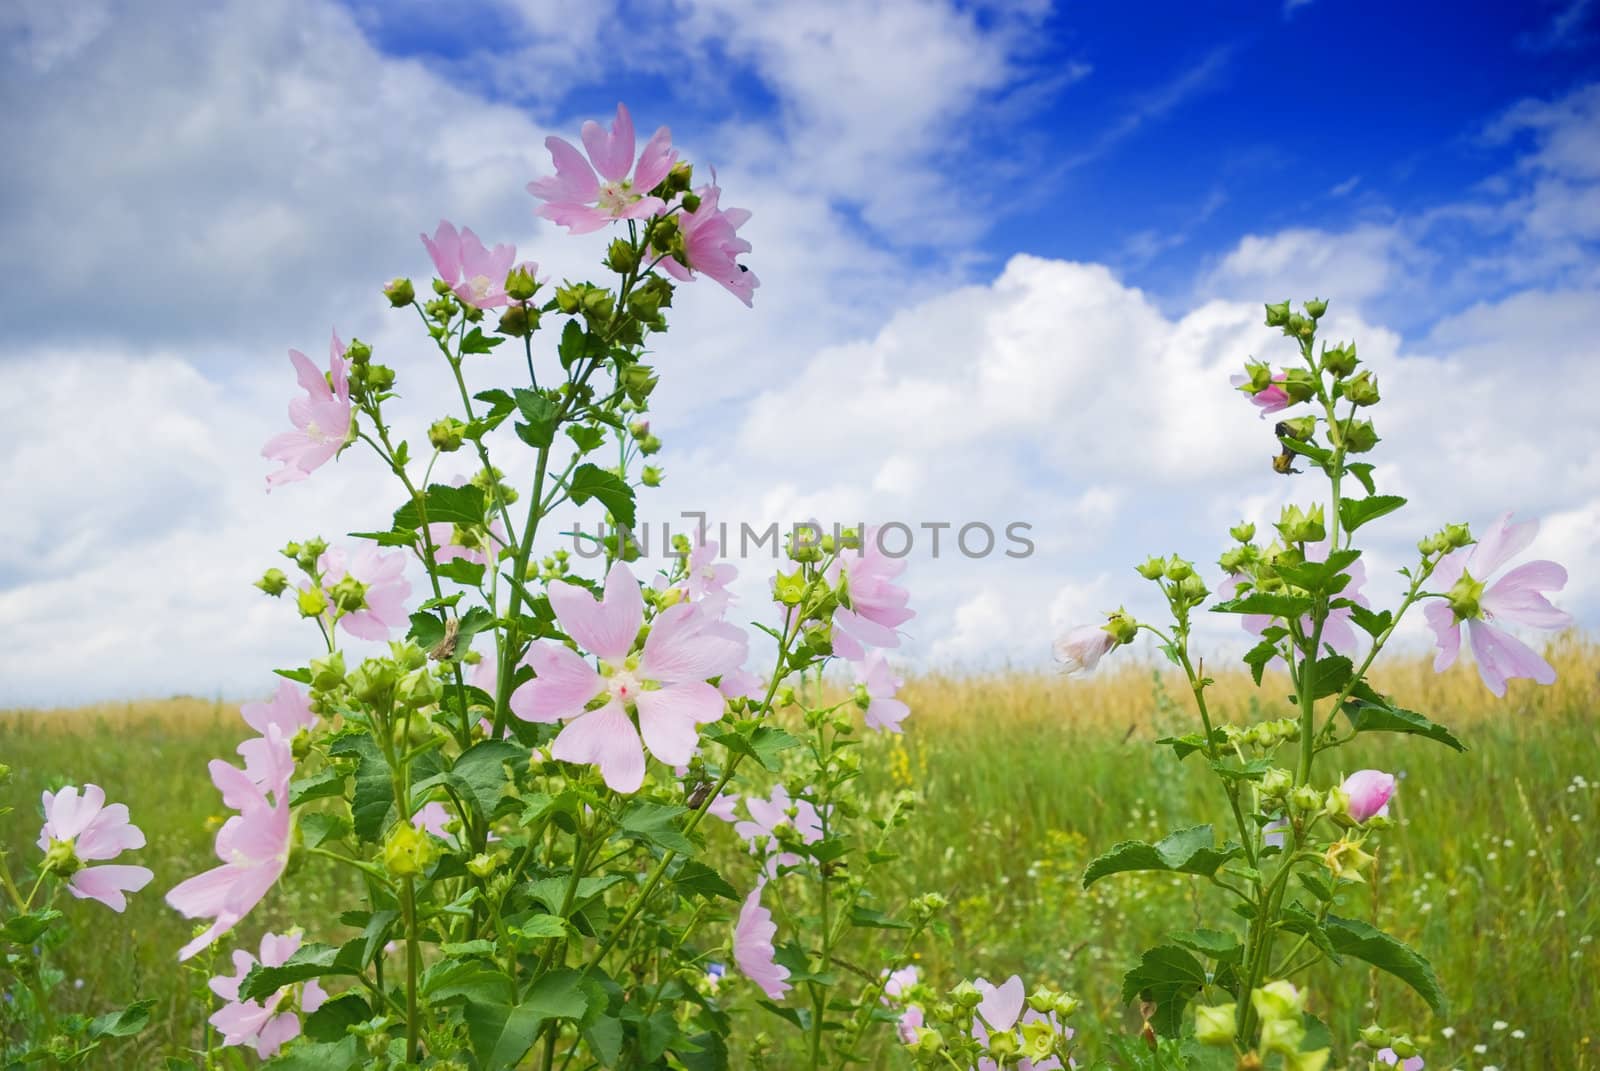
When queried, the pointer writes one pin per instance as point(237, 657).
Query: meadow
point(1024, 777)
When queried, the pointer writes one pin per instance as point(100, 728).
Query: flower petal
point(607, 739)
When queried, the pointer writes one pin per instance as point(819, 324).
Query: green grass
point(1490, 871)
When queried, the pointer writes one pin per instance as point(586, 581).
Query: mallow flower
point(1367, 794)
point(1001, 1007)
point(753, 950)
point(1517, 598)
point(665, 684)
point(706, 579)
point(1272, 399)
point(1391, 1058)
point(1337, 631)
point(385, 589)
point(766, 815)
point(322, 419)
point(253, 846)
point(475, 274)
point(79, 828)
point(474, 544)
point(877, 604)
point(586, 194)
point(880, 683)
point(711, 246)
point(1080, 649)
point(263, 1025)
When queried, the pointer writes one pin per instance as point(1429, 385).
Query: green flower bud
point(1315, 308)
point(1298, 326)
point(665, 236)
point(1258, 377)
point(1066, 1005)
point(311, 602)
point(649, 445)
point(1042, 999)
point(5, 773)
point(419, 688)
point(349, 594)
point(1244, 531)
point(1375, 1036)
point(373, 681)
point(966, 995)
point(1340, 361)
point(408, 851)
point(520, 283)
point(1300, 429)
point(1403, 1046)
point(1003, 1046)
point(637, 382)
point(622, 257)
point(1215, 1024)
point(518, 321)
point(1178, 569)
point(446, 435)
point(1276, 784)
point(1278, 315)
point(1153, 569)
point(483, 864)
point(1316, 1060)
point(1279, 1001)
point(327, 672)
point(1457, 536)
point(400, 293)
point(358, 353)
point(1362, 389)
point(1192, 589)
point(273, 582)
point(1302, 526)
point(1300, 384)
point(379, 377)
point(1307, 799)
point(1358, 436)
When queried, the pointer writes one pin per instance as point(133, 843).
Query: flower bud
point(518, 321)
point(1003, 1046)
point(446, 435)
point(311, 602)
point(1276, 784)
point(379, 377)
point(1234, 559)
point(358, 353)
point(1215, 1024)
point(650, 476)
point(1298, 326)
point(1192, 589)
point(1300, 384)
point(1067, 1005)
point(1366, 794)
point(1300, 429)
point(1375, 1036)
point(327, 672)
point(520, 283)
point(1302, 526)
point(1244, 531)
point(1363, 389)
point(1278, 1001)
point(1357, 436)
point(1153, 569)
point(1315, 308)
point(1306, 799)
point(273, 582)
point(966, 995)
point(349, 594)
point(1340, 361)
point(1403, 1046)
point(638, 381)
point(649, 445)
point(5, 773)
point(400, 292)
point(1278, 315)
point(1457, 536)
point(1178, 569)
point(408, 851)
point(622, 257)
point(419, 688)
point(483, 864)
point(372, 680)
point(1315, 1060)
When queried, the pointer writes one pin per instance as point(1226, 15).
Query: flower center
point(480, 286)
point(625, 686)
point(616, 196)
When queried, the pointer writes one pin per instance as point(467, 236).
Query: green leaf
point(124, 1023)
point(1363, 472)
point(573, 346)
point(1354, 512)
point(26, 929)
point(591, 481)
point(501, 1034)
point(1271, 603)
point(1327, 577)
point(477, 342)
point(1187, 851)
point(1168, 976)
point(656, 823)
point(400, 537)
point(309, 961)
point(540, 414)
point(1187, 744)
point(374, 795)
point(445, 505)
point(461, 571)
point(552, 891)
point(1352, 937)
point(467, 979)
point(1259, 657)
point(1373, 624)
point(479, 774)
point(318, 829)
point(538, 927)
point(696, 879)
point(1330, 675)
point(1253, 770)
point(586, 437)
point(867, 918)
point(325, 1056)
point(1223, 947)
point(318, 786)
point(331, 1021)
point(761, 742)
point(1367, 717)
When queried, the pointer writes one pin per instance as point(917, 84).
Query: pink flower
point(470, 544)
point(665, 685)
point(1000, 1008)
point(474, 274)
point(386, 589)
point(877, 604)
point(289, 709)
point(1273, 399)
point(1516, 598)
point(255, 1023)
point(253, 846)
point(582, 201)
point(753, 950)
point(1368, 792)
point(899, 982)
point(741, 684)
point(706, 580)
point(1337, 632)
point(711, 246)
point(1388, 1056)
point(434, 817)
point(1081, 649)
point(94, 832)
point(322, 419)
point(910, 1022)
point(884, 711)
point(724, 808)
point(766, 815)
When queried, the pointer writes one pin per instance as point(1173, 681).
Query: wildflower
point(741, 684)
point(910, 1024)
point(253, 846)
point(289, 709)
point(999, 1008)
point(714, 974)
point(261, 1024)
point(877, 605)
point(1081, 649)
point(879, 683)
point(766, 815)
point(1270, 399)
point(582, 201)
point(78, 828)
point(474, 274)
point(899, 982)
point(706, 580)
point(1337, 631)
point(753, 950)
point(666, 684)
point(434, 817)
point(1388, 1056)
point(1366, 793)
point(323, 419)
point(384, 589)
point(1517, 598)
point(711, 246)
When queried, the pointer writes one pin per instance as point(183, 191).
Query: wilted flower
point(261, 1024)
point(1516, 598)
point(322, 419)
point(753, 950)
point(582, 201)
point(78, 828)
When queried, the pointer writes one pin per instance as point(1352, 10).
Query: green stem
point(413, 951)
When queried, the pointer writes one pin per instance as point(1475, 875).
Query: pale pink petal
point(574, 181)
point(753, 949)
point(279, 1029)
point(1501, 656)
point(1503, 542)
point(668, 718)
point(607, 739)
point(108, 883)
point(563, 685)
point(108, 835)
point(686, 644)
point(655, 161)
point(605, 627)
point(1002, 1004)
point(1446, 632)
point(444, 248)
point(611, 152)
point(1517, 597)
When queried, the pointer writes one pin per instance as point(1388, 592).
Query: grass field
point(1491, 871)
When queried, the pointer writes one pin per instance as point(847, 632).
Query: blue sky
point(1010, 252)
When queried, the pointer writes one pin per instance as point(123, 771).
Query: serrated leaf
point(1355, 512)
point(1189, 743)
point(26, 929)
point(1329, 675)
point(1373, 624)
point(399, 537)
point(1271, 603)
point(1352, 937)
point(1362, 470)
point(502, 1034)
point(763, 743)
point(1188, 851)
point(591, 481)
point(585, 437)
point(467, 979)
point(318, 786)
point(1367, 717)
point(445, 505)
point(656, 823)
point(479, 774)
point(317, 829)
point(374, 792)
point(320, 1056)
point(124, 1023)
point(461, 571)
point(539, 415)
point(1259, 657)
point(1223, 947)
point(698, 879)
point(308, 961)
point(867, 918)
point(331, 1022)
point(476, 341)
point(1168, 976)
